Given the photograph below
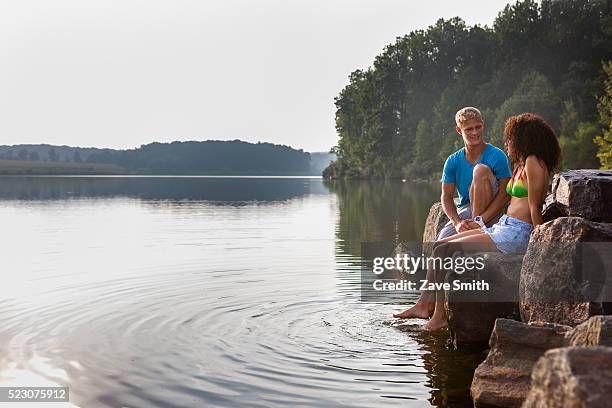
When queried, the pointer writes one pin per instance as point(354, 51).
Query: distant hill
point(211, 157)
point(26, 167)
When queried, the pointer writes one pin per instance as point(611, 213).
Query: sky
point(122, 73)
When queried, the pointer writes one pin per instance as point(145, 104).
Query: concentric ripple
point(138, 303)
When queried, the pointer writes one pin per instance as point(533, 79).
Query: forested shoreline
point(396, 118)
point(210, 157)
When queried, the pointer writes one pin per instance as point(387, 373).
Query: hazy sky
point(121, 73)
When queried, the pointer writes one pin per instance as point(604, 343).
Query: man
point(479, 172)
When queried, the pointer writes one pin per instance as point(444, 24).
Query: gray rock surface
point(436, 219)
point(565, 270)
point(552, 209)
point(502, 380)
point(584, 193)
point(471, 315)
point(572, 377)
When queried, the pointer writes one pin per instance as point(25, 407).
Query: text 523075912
point(34, 394)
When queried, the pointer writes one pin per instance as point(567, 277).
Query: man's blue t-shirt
point(459, 171)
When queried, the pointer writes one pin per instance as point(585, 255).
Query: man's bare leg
point(424, 307)
point(438, 320)
point(481, 190)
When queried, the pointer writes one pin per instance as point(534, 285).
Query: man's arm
point(448, 204)
point(498, 203)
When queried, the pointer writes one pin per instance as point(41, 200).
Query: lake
point(214, 291)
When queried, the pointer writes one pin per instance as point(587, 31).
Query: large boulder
point(502, 380)
point(583, 193)
point(436, 220)
point(471, 314)
point(572, 377)
point(565, 271)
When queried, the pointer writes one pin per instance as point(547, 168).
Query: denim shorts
point(465, 212)
point(510, 235)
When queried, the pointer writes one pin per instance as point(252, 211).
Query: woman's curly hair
point(529, 134)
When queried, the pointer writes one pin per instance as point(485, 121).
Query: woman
point(534, 151)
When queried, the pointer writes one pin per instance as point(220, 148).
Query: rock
point(502, 380)
point(436, 220)
point(597, 331)
point(552, 209)
point(565, 270)
point(572, 230)
point(572, 377)
point(584, 193)
point(471, 315)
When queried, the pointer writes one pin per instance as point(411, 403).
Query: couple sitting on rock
point(481, 175)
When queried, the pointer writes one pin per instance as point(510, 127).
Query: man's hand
point(466, 225)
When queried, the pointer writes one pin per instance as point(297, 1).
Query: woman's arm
point(537, 182)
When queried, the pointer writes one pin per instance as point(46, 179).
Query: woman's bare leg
point(439, 320)
point(424, 307)
point(459, 236)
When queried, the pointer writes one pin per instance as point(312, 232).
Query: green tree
point(33, 156)
point(567, 135)
point(579, 151)
point(22, 154)
point(534, 94)
point(53, 156)
point(604, 141)
point(543, 57)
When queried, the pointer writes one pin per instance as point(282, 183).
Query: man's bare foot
point(435, 324)
point(418, 311)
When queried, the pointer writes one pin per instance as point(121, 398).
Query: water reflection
point(372, 211)
point(380, 211)
point(449, 371)
point(231, 191)
point(213, 292)
point(388, 212)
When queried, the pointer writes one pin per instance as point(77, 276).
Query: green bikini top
point(516, 185)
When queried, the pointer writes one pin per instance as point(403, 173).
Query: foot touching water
point(419, 311)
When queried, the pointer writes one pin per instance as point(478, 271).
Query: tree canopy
point(209, 157)
point(396, 118)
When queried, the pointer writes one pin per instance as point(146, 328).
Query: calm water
point(191, 292)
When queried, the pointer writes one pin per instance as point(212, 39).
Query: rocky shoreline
point(545, 321)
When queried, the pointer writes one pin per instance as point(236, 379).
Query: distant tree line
point(194, 157)
point(208, 157)
point(44, 153)
point(396, 118)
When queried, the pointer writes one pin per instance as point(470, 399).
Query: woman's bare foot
point(422, 310)
point(435, 324)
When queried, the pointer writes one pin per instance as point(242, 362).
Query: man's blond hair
point(467, 113)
